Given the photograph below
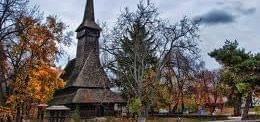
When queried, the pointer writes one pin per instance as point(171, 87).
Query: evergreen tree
point(139, 50)
point(240, 71)
point(137, 53)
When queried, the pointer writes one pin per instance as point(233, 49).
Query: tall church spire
point(89, 17)
point(87, 84)
point(89, 11)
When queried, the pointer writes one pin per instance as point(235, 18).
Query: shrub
point(76, 114)
point(135, 106)
point(257, 110)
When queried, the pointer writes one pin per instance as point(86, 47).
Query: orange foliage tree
point(32, 55)
point(6, 114)
point(209, 91)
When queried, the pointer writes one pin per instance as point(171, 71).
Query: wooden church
point(87, 85)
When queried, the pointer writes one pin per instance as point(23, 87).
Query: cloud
point(237, 7)
point(248, 11)
point(225, 13)
point(215, 17)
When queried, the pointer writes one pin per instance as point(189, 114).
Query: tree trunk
point(247, 105)
point(169, 109)
point(146, 111)
point(175, 107)
point(20, 112)
point(182, 102)
point(182, 107)
point(18, 115)
point(1, 94)
point(237, 104)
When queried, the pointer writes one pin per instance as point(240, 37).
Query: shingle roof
point(82, 96)
point(86, 80)
point(90, 75)
point(68, 70)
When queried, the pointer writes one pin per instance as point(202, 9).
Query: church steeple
point(89, 11)
point(87, 84)
point(89, 17)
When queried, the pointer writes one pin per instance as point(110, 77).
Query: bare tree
point(142, 40)
point(11, 11)
point(182, 66)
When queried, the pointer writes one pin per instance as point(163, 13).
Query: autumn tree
point(179, 71)
point(29, 48)
point(3, 71)
point(6, 114)
point(10, 12)
point(141, 41)
point(31, 58)
point(209, 90)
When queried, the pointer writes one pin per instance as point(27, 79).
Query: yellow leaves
point(44, 81)
point(156, 91)
point(41, 40)
point(35, 53)
point(11, 99)
point(164, 97)
point(41, 84)
point(150, 78)
point(6, 113)
point(31, 54)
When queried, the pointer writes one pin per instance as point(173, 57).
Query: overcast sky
point(220, 19)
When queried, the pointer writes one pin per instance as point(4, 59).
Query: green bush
point(76, 114)
point(257, 110)
point(135, 106)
